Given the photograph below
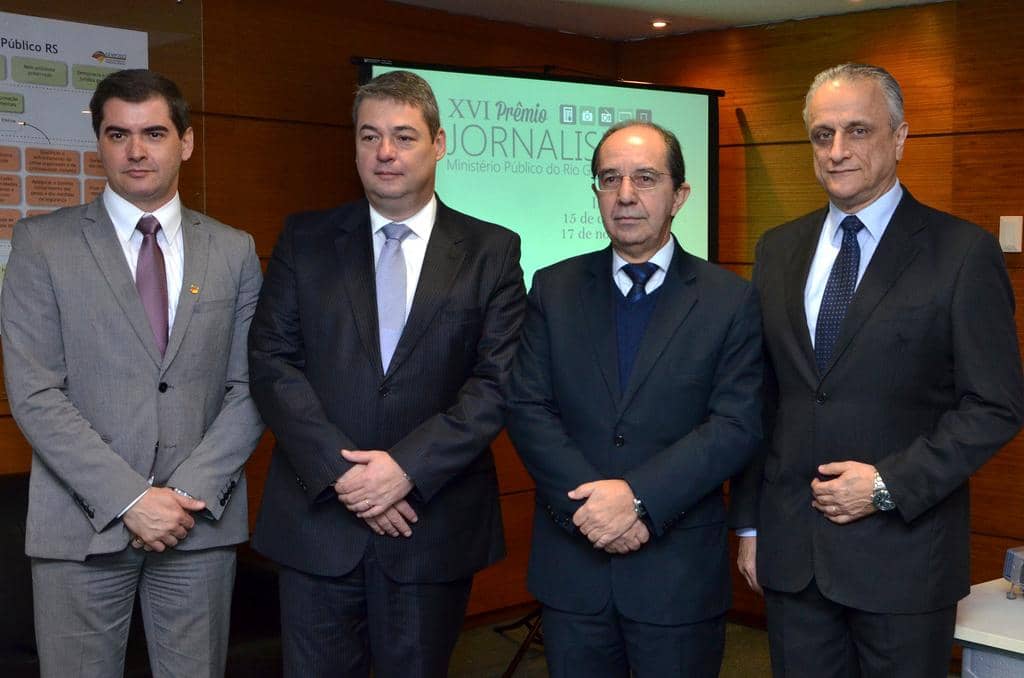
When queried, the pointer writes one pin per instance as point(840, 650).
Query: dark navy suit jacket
point(688, 418)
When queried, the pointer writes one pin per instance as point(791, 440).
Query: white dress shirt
point(875, 218)
point(662, 258)
point(414, 247)
point(126, 216)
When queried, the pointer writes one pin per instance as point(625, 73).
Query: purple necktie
point(151, 280)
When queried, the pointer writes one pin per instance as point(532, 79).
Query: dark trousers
point(341, 626)
point(813, 637)
point(608, 645)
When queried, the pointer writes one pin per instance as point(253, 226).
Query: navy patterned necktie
point(842, 281)
point(151, 280)
point(391, 287)
point(639, 274)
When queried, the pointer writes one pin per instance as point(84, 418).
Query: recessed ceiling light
point(659, 23)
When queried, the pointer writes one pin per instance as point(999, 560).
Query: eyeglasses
point(644, 180)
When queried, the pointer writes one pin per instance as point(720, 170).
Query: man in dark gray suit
point(635, 395)
point(380, 352)
point(894, 373)
point(124, 329)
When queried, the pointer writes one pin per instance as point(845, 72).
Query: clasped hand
point(847, 496)
point(607, 517)
point(375, 489)
point(161, 518)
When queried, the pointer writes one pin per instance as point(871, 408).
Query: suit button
point(384, 391)
point(619, 440)
point(162, 387)
point(820, 397)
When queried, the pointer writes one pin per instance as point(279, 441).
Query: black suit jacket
point(316, 376)
point(689, 417)
point(925, 383)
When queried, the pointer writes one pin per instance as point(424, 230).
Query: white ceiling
point(631, 19)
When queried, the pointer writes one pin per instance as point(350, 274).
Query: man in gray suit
point(124, 330)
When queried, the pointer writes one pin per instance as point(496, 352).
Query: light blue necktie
point(842, 281)
point(391, 291)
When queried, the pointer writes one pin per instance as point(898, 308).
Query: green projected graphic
point(519, 153)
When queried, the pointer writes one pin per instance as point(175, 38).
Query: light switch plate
point(1010, 233)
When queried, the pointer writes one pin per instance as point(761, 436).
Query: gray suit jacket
point(101, 409)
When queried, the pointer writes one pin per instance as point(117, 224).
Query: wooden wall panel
point(256, 470)
point(291, 62)
point(986, 171)
point(765, 70)
point(504, 584)
point(997, 489)
point(764, 185)
point(989, 73)
point(760, 187)
point(987, 555)
point(997, 494)
point(15, 453)
point(259, 171)
point(512, 475)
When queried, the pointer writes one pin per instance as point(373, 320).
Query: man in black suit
point(635, 394)
point(379, 354)
point(894, 374)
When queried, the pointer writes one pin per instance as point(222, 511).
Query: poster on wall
point(48, 71)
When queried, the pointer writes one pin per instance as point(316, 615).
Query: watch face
point(883, 500)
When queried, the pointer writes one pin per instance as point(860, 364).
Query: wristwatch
point(638, 508)
point(880, 497)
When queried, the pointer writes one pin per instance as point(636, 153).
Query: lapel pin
point(194, 289)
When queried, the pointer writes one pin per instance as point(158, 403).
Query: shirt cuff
point(746, 532)
point(129, 506)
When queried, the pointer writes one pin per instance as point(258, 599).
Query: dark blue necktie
point(842, 281)
point(639, 274)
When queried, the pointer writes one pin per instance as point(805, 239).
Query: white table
point(991, 629)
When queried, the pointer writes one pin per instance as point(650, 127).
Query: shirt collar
point(125, 215)
point(875, 216)
point(421, 223)
point(662, 258)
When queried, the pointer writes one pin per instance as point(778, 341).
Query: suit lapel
point(98, 231)
point(598, 307)
point(441, 263)
point(354, 249)
point(892, 256)
point(196, 241)
point(676, 298)
point(797, 269)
